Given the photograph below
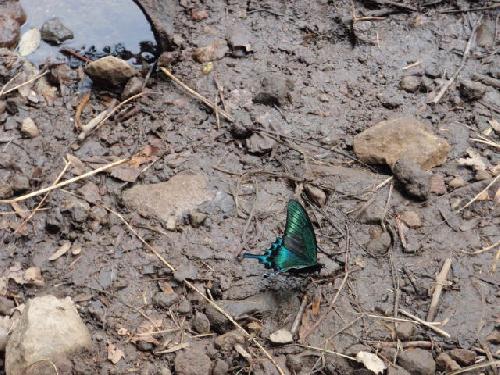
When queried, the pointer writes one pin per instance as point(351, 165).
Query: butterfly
point(296, 251)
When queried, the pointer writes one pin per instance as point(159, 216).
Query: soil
point(331, 79)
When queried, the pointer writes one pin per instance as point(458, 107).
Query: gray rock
point(49, 329)
point(412, 178)
point(20, 183)
point(410, 83)
point(184, 307)
point(417, 362)
point(110, 70)
point(133, 87)
point(220, 368)
point(275, 90)
point(446, 363)
point(171, 199)
point(200, 323)
point(294, 363)
point(259, 144)
point(281, 336)
point(165, 300)
point(53, 31)
point(218, 322)
point(186, 271)
point(396, 370)
point(390, 99)
point(405, 330)
point(192, 361)
point(470, 90)
point(144, 346)
point(266, 367)
point(380, 244)
point(388, 141)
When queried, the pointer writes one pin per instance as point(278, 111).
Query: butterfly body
point(296, 250)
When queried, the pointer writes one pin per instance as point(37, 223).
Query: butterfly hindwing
point(299, 235)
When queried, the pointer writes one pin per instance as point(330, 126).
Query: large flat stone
point(388, 141)
point(49, 329)
point(181, 194)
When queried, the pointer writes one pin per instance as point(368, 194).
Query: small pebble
point(411, 219)
point(282, 336)
point(457, 182)
point(165, 300)
point(29, 128)
point(220, 368)
point(144, 346)
point(410, 83)
point(200, 322)
point(482, 175)
point(437, 184)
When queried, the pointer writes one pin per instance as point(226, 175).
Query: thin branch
point(426, 324)
point(64, 183)
point(440, 282)
point(198, 96)
point(479, 194)
point(3, 92)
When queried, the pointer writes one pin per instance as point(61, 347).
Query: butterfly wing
point(299, 236)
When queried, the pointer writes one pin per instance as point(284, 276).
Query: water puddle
point(100, 27)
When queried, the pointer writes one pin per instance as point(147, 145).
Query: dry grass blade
point(480, 193)
point(328, 352)
point(440, 282)
point(477, 366)
point(426, 324)
point(64, 183)
point(198, 96)
point(33, 79)
point(39, 205)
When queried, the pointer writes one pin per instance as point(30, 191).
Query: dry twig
point(32, 79)
point(480, 193)
point(64, 183)
point(298, 317)
point(426, 324)
point(477, 366)
point(467, 50)
point(440, 282)
point(198, 96)
point(327, 351)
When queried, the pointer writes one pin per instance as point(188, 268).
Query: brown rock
point(198, 14)
point(317, 195)
point(446, 363)
point(213, 51)
point(388, 141)
point(463, 356)
point(133, 87)
point(14, 9)
point(410, 83)
point(411, 219)
point(437, 184)
point(111, 70)
point(10, 31)
point(227, 341)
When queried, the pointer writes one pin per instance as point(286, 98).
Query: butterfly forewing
point(299, 233)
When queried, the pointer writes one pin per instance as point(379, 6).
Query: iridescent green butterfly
point(296, 250)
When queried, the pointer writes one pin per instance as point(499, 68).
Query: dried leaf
point(20, 211)
point(484, 196)
point(146, 331)
point(474, 160)
point(61, 251)
point(33, 276)
point(16, 273)
point(316, 304)
point(371, 362)
point(114, 354)
point(495, 124)
point(29, 42)
point(497, 197)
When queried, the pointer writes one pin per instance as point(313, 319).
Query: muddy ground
point(337, 78)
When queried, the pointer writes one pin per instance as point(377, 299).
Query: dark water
point(115, 26)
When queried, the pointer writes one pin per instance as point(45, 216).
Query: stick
point(426, 324)
point(475, 367)
point(332, 304)
point(328, 352)
point(462, 64)
point(440, 281)
point(469, 10)
point(198, 96)
point(298, 318)
point(405, 345)
point(37, 208)
point(479, 194)
point(2, 92)
point(64, 183)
